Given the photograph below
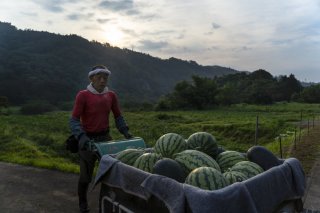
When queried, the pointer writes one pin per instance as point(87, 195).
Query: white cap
point(99, 70)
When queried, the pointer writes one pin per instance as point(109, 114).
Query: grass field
point(38, 140)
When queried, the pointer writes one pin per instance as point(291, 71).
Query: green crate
point(113, 147)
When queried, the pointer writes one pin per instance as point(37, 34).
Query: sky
point(281, 37)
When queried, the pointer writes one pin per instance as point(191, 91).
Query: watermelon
point(263, 157)
point(204, 142)
point(206, 178)
point(192, 159)
point(129, 156)
point(169, 144)
point(146, 161)
point(148, 150)
point(220, 150)
point(234, 176)
point(248, 168)
point(229, 158)
point(169, 168)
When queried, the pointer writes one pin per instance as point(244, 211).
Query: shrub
point(37, 107)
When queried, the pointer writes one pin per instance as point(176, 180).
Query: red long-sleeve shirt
point(93, 110)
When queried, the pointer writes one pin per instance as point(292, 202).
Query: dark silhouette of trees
point(311, 94)
point(258, 87)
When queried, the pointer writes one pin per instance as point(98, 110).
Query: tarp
point(262, 193)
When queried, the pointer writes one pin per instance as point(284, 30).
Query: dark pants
point(88, 160)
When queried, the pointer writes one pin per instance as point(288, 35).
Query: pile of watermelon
point(197, 161)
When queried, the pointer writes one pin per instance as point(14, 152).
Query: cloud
point(148, 17)
point(55, 6)
point(160, 32)
point(117, 5)
point(180, 36)
point(103, 20)
point(132, 12)
point(129, 32)
point(31, 14)
point(78, 16)
point(215, 25)
point(152, 45)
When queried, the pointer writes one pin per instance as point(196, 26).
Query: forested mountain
point(45, 66)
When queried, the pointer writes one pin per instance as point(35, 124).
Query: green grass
point(38, 140)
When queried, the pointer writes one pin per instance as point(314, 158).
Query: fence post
point(300, 126)
point(280, 145)
point(257, 129)
point(313, 121)
point(295, 138)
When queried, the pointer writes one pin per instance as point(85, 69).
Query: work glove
point(122, 127)
point(84, 142)
point(125, 132)
point(127, 135)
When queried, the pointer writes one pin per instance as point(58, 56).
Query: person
point(90, 121)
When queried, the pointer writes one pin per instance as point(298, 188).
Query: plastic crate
point(113, 147)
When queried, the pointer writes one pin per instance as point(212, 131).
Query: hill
point(38, 65)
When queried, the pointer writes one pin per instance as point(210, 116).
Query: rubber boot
point(82, 193)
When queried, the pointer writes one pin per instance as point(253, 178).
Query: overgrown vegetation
point(258, 87)
point(38, 140)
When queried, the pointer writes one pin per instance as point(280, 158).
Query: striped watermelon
point(229, 158)
point(169, 144)
point(234, 176)
point(204, 142)
point(146, 161)
point(129, 156)
point(206, 178)
point(248, 168)
point(192, 159)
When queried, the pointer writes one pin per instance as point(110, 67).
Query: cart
point(127, 189)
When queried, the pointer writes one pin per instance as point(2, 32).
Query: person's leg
point(87, 163)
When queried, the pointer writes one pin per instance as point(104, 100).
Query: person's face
point(99, 81)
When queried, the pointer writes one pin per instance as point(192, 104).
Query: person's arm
point(119, 120)
point(75, 124)
point(123, 127)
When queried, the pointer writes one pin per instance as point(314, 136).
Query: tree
point(311, 94)
point(286, 87)
point(204, 92)
point(227, 95)
point(4, 102)
point(200, 93)
point(182, 95)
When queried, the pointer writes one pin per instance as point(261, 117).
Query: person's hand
point(125, 132)
point(84, 142)
point(127, 135)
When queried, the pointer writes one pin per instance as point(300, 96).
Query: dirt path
point(311, 162)
point(26, 189)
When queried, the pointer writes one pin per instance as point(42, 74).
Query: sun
point(113, 35)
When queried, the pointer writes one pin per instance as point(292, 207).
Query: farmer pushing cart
point(90, 122)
